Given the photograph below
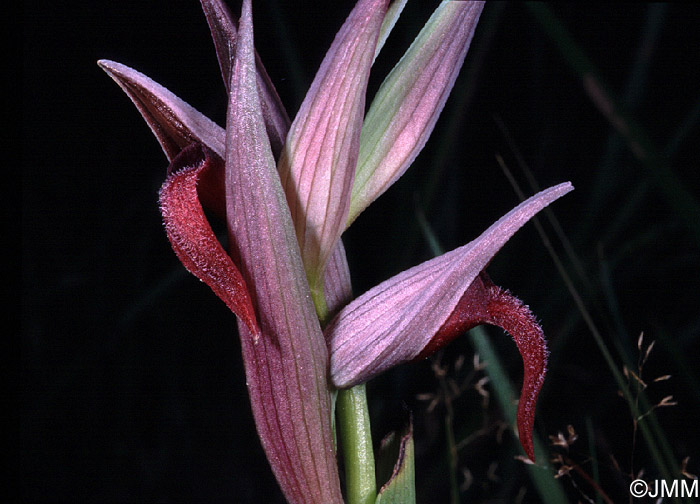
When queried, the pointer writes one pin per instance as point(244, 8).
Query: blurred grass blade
point(684, 130)
point(676, 194)
point(607, 177)
point(590, 433)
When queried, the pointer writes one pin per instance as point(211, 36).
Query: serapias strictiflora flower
point(420, 310)
point(287, 198)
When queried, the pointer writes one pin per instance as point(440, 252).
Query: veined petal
point(317, 166)
point(410, 100)
point(395, 321)
point(191, 236)
point(286, 370)
point(175, 123)
point(223, 31)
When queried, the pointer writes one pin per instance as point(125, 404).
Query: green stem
point(356, 443)
point(352, 425)
point(319, 299)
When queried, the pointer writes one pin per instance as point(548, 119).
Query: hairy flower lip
point(191, 236)
point(485, 303)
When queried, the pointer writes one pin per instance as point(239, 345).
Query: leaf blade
point(400, 488)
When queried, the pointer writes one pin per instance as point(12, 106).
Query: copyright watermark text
point(662, 488)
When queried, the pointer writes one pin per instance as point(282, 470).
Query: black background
point(132, 387)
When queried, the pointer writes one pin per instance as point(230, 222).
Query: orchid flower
point(287, 192)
